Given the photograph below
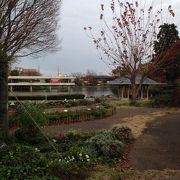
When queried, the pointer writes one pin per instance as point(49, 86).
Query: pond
point(88, 91)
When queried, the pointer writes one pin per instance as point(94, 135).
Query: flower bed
point(69, 116)
point(65, 103)
point(59, 116)
point(72, 156)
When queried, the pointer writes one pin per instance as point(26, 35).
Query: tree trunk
point(134, 94)
point(4, 124)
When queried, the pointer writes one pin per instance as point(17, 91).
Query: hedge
point(48, 97)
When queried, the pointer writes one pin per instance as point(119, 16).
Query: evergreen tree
point(168, 36)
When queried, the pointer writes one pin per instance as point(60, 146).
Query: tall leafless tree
point(27, 27)
point(127, 39)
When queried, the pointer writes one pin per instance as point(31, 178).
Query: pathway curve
point(135, 118)
point(157, 133)
point(159, 145)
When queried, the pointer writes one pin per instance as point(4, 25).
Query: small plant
point(31, 119)
point(123, 134)
point(75, 136)
point(99, 99)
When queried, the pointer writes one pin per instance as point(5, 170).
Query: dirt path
point(157, 133)
point(159, 145)
point(134, 117)
point(124, 116)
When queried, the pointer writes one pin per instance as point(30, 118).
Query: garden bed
point(80, 116)
point(61, 115)
point(71, 156)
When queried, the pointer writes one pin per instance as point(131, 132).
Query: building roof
point(125, 81)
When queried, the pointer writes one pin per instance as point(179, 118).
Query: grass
point(138, 123)
point(140, 103)
point(151, 175)
point(116, 173)
point(104, 173)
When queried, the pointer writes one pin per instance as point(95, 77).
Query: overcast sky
point(78, 53)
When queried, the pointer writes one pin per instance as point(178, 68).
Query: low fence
point(77, 117)
point(81, 117)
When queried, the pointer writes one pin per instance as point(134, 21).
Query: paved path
point(159, 145)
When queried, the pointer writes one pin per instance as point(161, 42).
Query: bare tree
point(29, 72)
point(127, 40)
point(27, 27)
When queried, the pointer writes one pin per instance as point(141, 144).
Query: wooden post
point(147, 92)
point(142, 92)
point(122, 93)
point(119, 92)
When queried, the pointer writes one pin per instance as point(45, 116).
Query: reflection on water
point(90, 91)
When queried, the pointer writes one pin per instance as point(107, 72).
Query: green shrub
point(159, 90)
point(163, 100)
point(69, 115)
point(123, 134)
point(99, 112)
point(140, 103)
point(25, 162)
point(106, 146)
point(166, 95)
point(48, 97)
point(77, 153)
point(137, 104)
point(69, 168)
point(178, 82)
point(75, 136)
point(81, 156)
point(31, 117)
point(99, 99)
point(28, 136)
point(61, 103)
point(22, 162)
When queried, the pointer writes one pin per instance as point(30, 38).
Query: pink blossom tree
point(126, 41)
